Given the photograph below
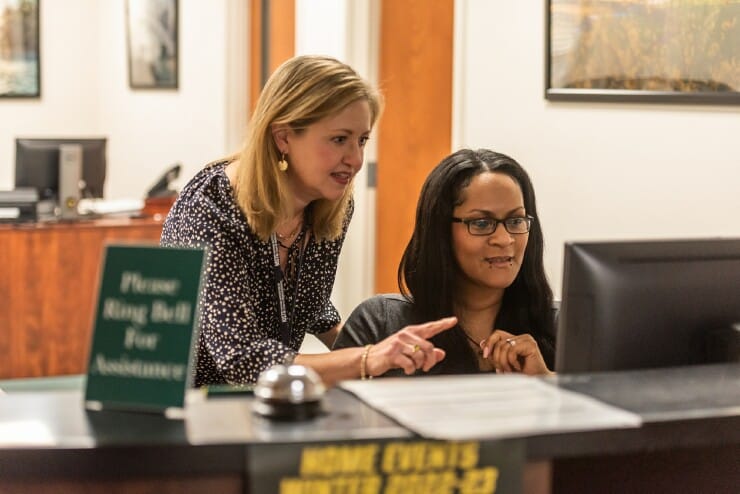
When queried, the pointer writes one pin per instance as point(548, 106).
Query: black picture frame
point(152, 41)
point(650, 52)
point(20, 49)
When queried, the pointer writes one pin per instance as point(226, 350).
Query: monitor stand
point(70, 173)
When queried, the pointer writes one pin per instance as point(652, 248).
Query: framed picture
point(151, 27)
point(674, 51)
point(20, 68)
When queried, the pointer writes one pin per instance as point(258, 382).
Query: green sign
point(144, 327)
point(388, 467)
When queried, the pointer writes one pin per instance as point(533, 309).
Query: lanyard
point(285, 323)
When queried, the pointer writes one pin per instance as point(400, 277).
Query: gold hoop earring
point(282, 164)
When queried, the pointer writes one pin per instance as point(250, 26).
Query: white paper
point(487, 406)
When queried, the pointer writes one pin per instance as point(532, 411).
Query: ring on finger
point(511, 341)
point(414, 348)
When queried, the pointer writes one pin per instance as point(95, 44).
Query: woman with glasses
point(476, 253)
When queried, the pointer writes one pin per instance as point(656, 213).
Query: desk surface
point(660, 395)
point(681, 407)
point(112, 221)
point(56, 419)
point(691, 398)
point(690, 438)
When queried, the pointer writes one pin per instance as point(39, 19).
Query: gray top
point(383, 315)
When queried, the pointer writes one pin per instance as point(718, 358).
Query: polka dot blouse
point(240, 332)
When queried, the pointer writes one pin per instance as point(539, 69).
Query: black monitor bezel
point(645, 304)
point(94, 166)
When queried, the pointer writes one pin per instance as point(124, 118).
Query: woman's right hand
point(408, 349)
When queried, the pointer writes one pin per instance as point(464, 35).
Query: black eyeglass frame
point(467, 221)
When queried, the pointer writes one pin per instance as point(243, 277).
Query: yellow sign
point(401, 467)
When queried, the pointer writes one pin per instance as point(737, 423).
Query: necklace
point(290, 235)
point(290, 244)
point(475, 343)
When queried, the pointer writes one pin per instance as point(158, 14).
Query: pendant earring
point(282, 164)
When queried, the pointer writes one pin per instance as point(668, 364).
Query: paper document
point(486, 406)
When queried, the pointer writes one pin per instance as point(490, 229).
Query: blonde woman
point(273, 220)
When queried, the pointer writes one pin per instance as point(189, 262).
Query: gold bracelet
point(363, 363)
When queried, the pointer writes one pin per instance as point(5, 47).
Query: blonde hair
point(300, 92)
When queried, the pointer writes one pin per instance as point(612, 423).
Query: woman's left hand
point(514, 353)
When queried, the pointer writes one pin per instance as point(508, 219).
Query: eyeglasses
point(486, 226)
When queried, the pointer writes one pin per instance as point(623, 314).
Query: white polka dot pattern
point(239, 320)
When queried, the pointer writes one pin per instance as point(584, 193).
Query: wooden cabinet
point(49, 275)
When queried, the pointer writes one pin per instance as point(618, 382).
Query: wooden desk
point(48, 287)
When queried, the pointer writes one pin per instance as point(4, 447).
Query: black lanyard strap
point(286, 324)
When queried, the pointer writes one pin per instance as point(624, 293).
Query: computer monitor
point(37, 165)
point(647, 304)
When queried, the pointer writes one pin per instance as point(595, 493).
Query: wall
point(150, 130)
point(601, 171)
point(85, 91)
point(68, 104)
point(346, 30)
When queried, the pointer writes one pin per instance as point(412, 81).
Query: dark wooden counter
point(689, 441)
point(48, 285)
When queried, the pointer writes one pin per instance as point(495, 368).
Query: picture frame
point(152, 35)
point(20, 56)
point(656, 51)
